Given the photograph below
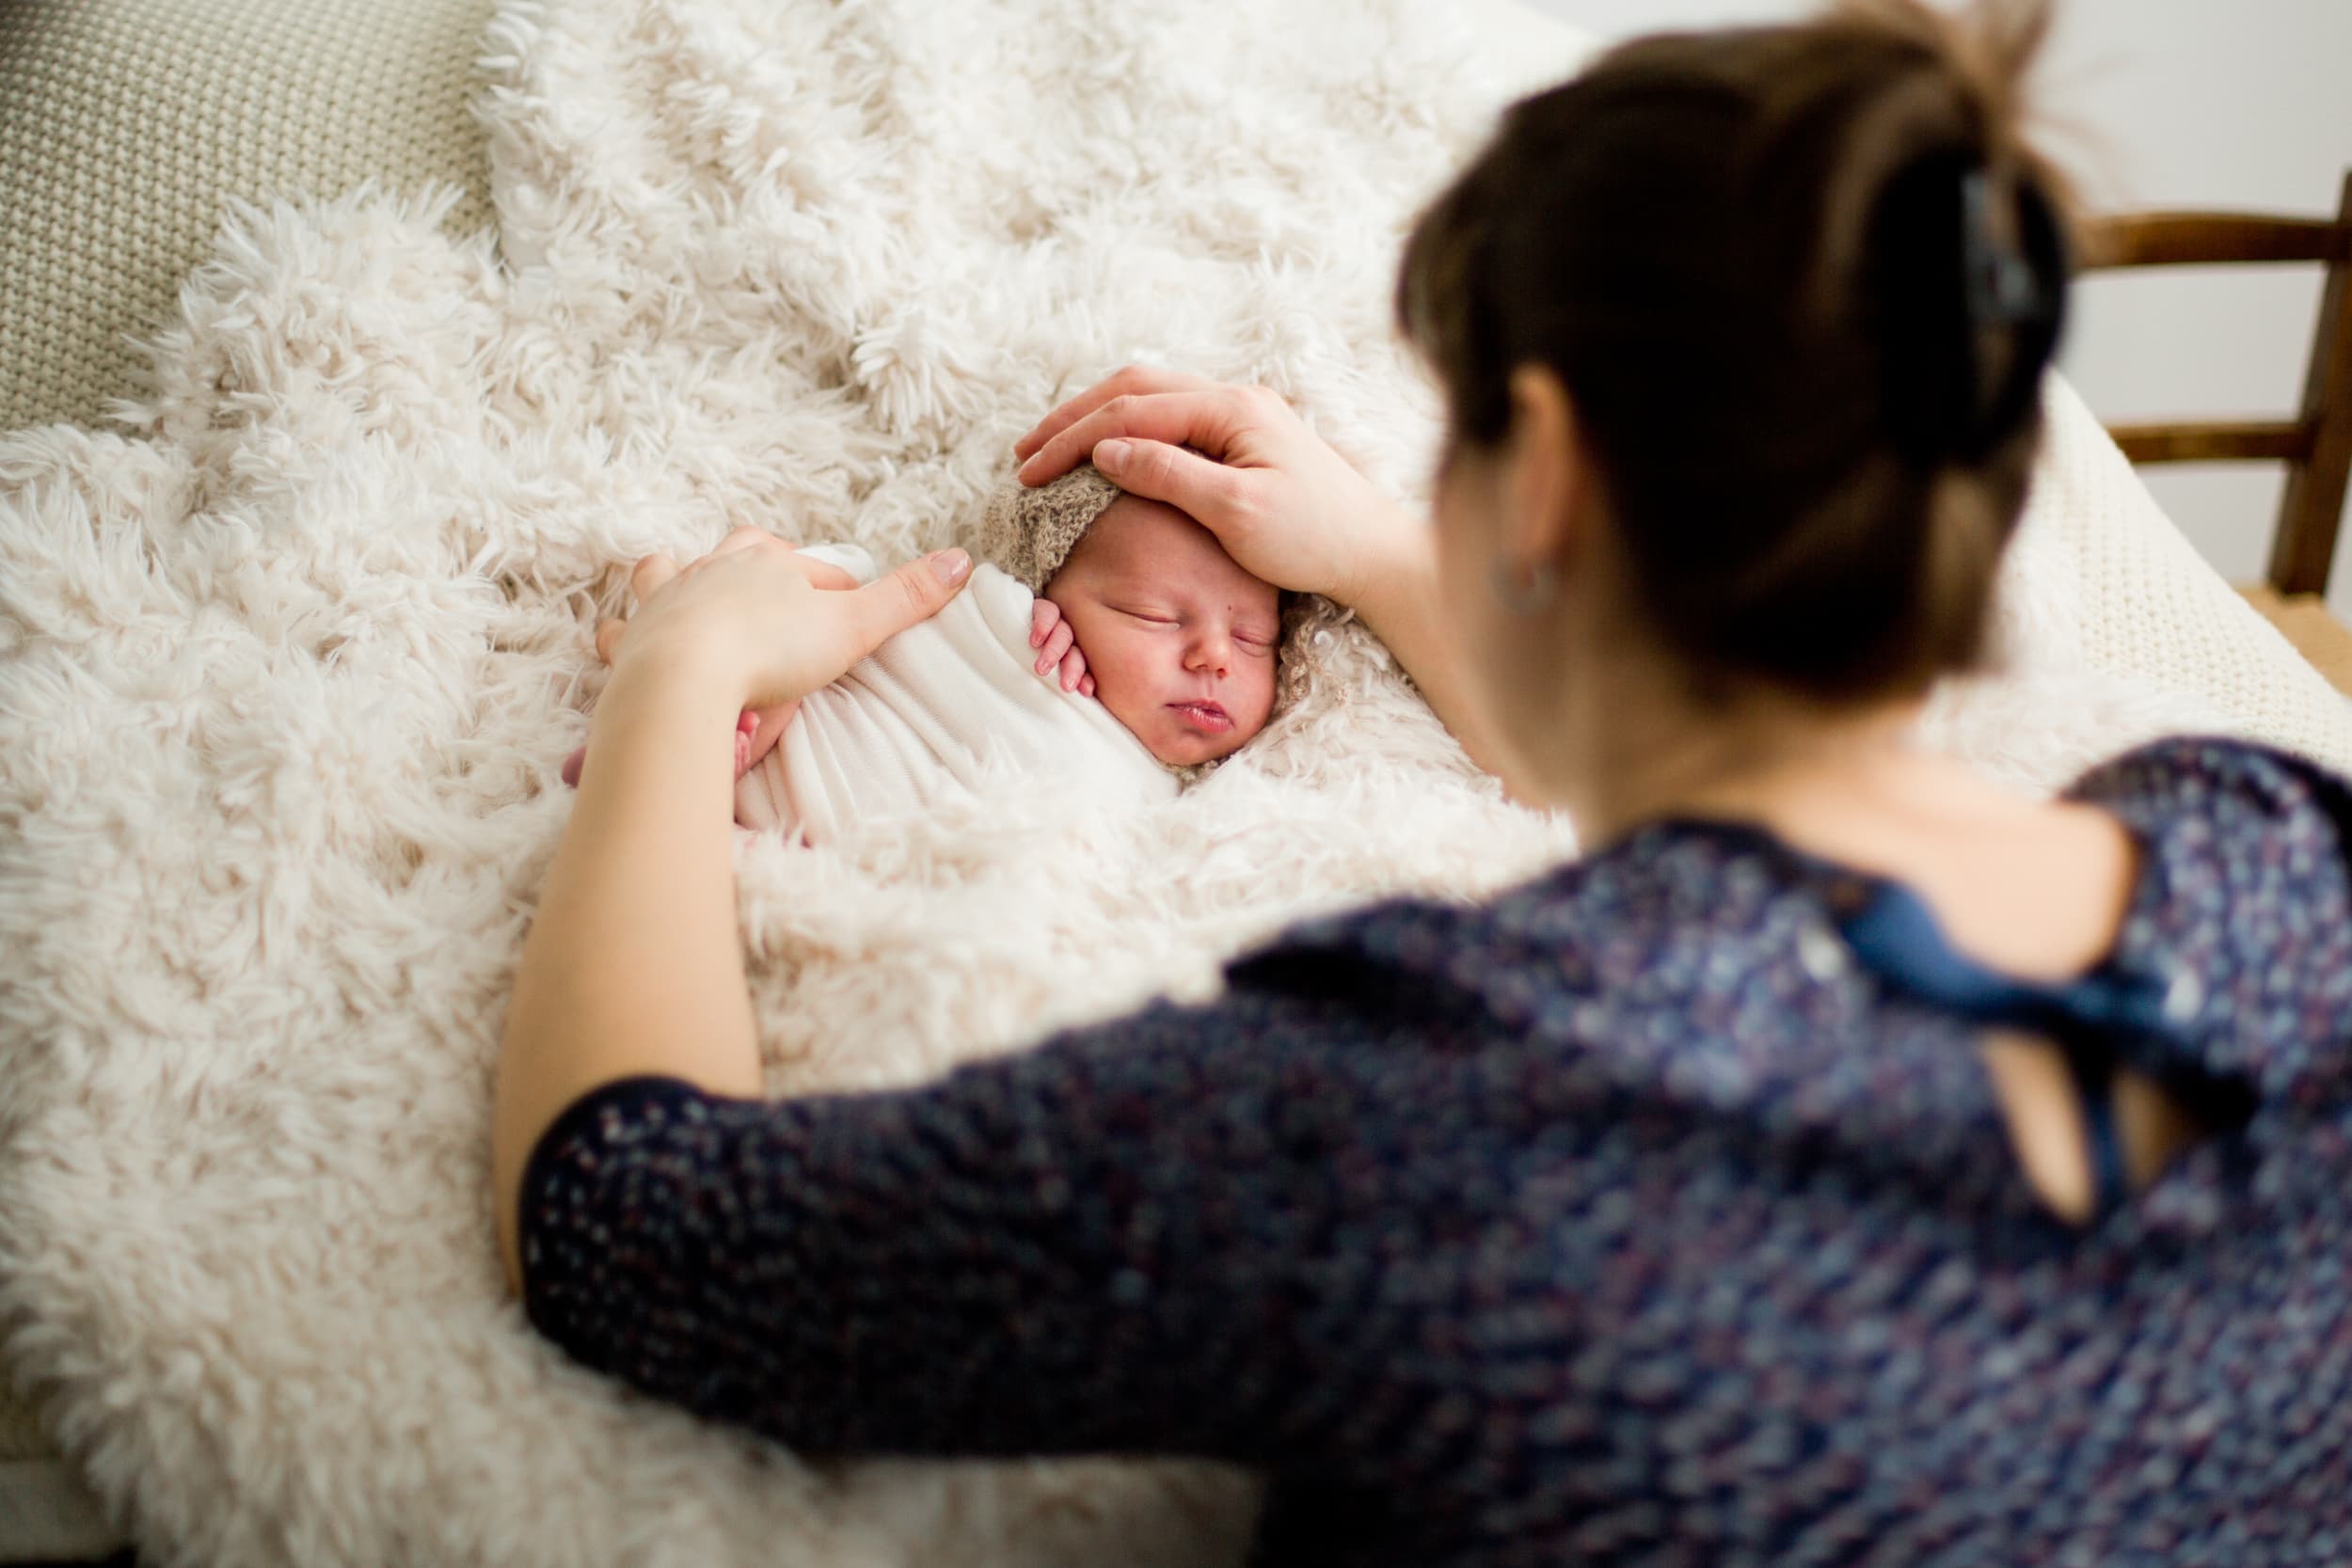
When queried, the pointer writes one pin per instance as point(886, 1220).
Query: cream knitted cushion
point(2150, 607)
point(126, 126)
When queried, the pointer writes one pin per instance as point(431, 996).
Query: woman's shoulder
point(2217, 789)
point(2244, 903)
point(2187, 769)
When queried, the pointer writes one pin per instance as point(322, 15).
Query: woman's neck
point(1769, 758)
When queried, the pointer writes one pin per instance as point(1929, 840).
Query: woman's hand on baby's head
point(1239, 461)
point(1057, 647)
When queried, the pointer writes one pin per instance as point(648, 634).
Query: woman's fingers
point(1160, 417)
point(646, 578)
point(892, 602)
point(1203, 417)
point(1199, 487)
point(1122, 383)
point(744, 536)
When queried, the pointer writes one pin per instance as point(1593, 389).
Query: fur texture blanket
point(288, 663)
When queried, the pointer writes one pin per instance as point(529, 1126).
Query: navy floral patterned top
point(1659, 1211)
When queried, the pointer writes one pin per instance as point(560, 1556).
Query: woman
point(1845, 1161)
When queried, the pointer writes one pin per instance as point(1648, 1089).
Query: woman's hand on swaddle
point(750, 616)
point(767, 622)
point(756, 730)
point(1058, 646)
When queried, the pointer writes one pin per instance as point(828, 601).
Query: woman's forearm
point(1398, 599)
point(633, 963)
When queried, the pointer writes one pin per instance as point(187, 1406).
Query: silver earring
point(1523, 589)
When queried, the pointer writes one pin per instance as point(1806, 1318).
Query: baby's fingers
point(1042, 614)
point(1057, 643)
point(1073, 669)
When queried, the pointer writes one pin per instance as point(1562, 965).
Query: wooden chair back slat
point(2214, 443)
point(2208, 239)
point(2316, 448)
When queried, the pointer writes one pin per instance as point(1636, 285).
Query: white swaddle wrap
point(919, 715)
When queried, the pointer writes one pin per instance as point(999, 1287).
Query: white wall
point(2204, 104)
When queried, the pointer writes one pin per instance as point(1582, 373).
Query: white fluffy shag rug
point(288, 664)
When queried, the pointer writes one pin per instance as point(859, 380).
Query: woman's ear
point(1547, 474)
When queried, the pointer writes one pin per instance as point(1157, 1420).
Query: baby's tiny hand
point(1056, 644)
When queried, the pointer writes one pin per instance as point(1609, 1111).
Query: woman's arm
point(1157, 1235)
point(634, 964)
point(1286, 506)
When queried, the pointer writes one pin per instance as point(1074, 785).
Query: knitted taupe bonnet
point(1030, 533)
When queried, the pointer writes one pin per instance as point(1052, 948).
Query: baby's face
point(1180, 641)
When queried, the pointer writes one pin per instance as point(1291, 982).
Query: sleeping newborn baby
point(1104, 639)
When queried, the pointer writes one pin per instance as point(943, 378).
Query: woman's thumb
point(912, 594)
point(1198, 486)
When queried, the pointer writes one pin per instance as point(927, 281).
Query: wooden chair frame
point(2316, 446)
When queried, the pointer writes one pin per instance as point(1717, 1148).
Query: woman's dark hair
point(1801, 284)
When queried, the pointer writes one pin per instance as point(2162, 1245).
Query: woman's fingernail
point(1109, 456)
point(950, 566)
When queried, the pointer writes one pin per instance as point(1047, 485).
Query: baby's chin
point(1192, 751)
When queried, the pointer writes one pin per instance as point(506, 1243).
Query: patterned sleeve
point(1095, 1246)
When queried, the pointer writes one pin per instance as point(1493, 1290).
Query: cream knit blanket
point(953, 707)
point(288, 664)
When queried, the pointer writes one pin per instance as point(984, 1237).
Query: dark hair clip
point(2019, 290)
point(2001, 286)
